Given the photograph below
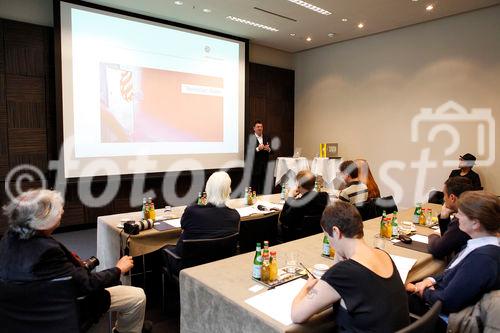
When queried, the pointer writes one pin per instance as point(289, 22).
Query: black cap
point(468, 157)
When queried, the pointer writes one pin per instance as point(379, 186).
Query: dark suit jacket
point(43, 258)
point(206, 222)
point(261, 157)
point(474, 178)
point(294, 210)
point(452, 239)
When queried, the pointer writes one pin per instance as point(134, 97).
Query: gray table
point(213, 295)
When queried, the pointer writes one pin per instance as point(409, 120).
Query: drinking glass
point(292, 261)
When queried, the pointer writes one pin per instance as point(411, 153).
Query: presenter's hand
point(267, 148)
point(125, 264)
point(261, 147)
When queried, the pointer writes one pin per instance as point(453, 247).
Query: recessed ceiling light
point(344, 20)
point(311, 7)
point(414, 0)
point(292, 34)
point(179, 3)
point(255, 24)
point(361, 25)
point(206, 10)
point(429, 7)
point(309, 39)
point(331, 34)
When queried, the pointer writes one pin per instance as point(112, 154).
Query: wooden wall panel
point(25, 52)
point(272, 102)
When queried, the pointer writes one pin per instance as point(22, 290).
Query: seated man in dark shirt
point(466, 162)
point(452, 239)
point(302, 202)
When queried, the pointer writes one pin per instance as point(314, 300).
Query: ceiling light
point(414, 0)
point(311, 7)
point(179, 3)
point(331, 34)
point(292, 34)
point(206, 10)
point(309, 39)
point(344, 20)
point(361, 25)
point(258, 25)
point(429, 7)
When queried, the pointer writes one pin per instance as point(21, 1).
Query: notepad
point(404, 265)
point(277, 302)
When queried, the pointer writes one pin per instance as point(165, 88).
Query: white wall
point(364, 93)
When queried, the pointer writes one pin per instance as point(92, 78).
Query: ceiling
point(376, 15)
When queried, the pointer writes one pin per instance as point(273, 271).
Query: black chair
point(258, 230)
point(436, 197)
point(426, 323)
point(194, 252)
point(367, 209)
point(40, 306)
point(310, 225)
point(386, 203)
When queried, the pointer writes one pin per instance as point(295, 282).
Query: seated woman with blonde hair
point(366, 177)
point(363, 285)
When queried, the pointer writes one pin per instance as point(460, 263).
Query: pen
point(301, 264)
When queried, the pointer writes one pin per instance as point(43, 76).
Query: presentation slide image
point(140, 104)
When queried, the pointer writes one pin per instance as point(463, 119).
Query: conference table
point(213, 295)
point(111, 240)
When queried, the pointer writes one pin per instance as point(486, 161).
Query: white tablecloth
point(287, 168)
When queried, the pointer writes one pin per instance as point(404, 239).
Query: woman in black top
point(364, 280)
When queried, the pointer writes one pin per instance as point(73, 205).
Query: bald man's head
point(306, 179)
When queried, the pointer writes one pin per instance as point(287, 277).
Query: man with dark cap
point(466, 162)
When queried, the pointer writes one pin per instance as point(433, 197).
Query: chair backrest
point(426, 323)
point(258, 230)
point(310, 226)
point(40, 306)
point(436, 197)
point(201, 251)
point(386, 203)
point(367, 209)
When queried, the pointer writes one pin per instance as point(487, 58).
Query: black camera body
point(90, 263)
point(133, 228)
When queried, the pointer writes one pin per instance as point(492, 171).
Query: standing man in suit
point(261, 157)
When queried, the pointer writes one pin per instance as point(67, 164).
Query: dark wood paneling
point(272, 102)
point(25, 89)
point(4, 140)
point(2, 49)
point(25, 52)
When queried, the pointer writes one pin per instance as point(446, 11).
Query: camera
point(133, 228)
point(90, 263)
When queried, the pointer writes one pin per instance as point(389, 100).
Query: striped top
point(356, 192)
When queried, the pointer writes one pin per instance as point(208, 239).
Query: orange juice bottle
point(273, 267)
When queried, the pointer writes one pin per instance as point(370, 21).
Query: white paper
point(256, 287)
point(277, 303)
point(420, 238)
point(174, 222)
point(403, 265)
point(247, 211)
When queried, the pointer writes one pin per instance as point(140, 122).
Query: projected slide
point(148, 105)
point(132, 87)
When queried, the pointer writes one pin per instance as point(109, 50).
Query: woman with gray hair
point(213, 220)
point(29, 254)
